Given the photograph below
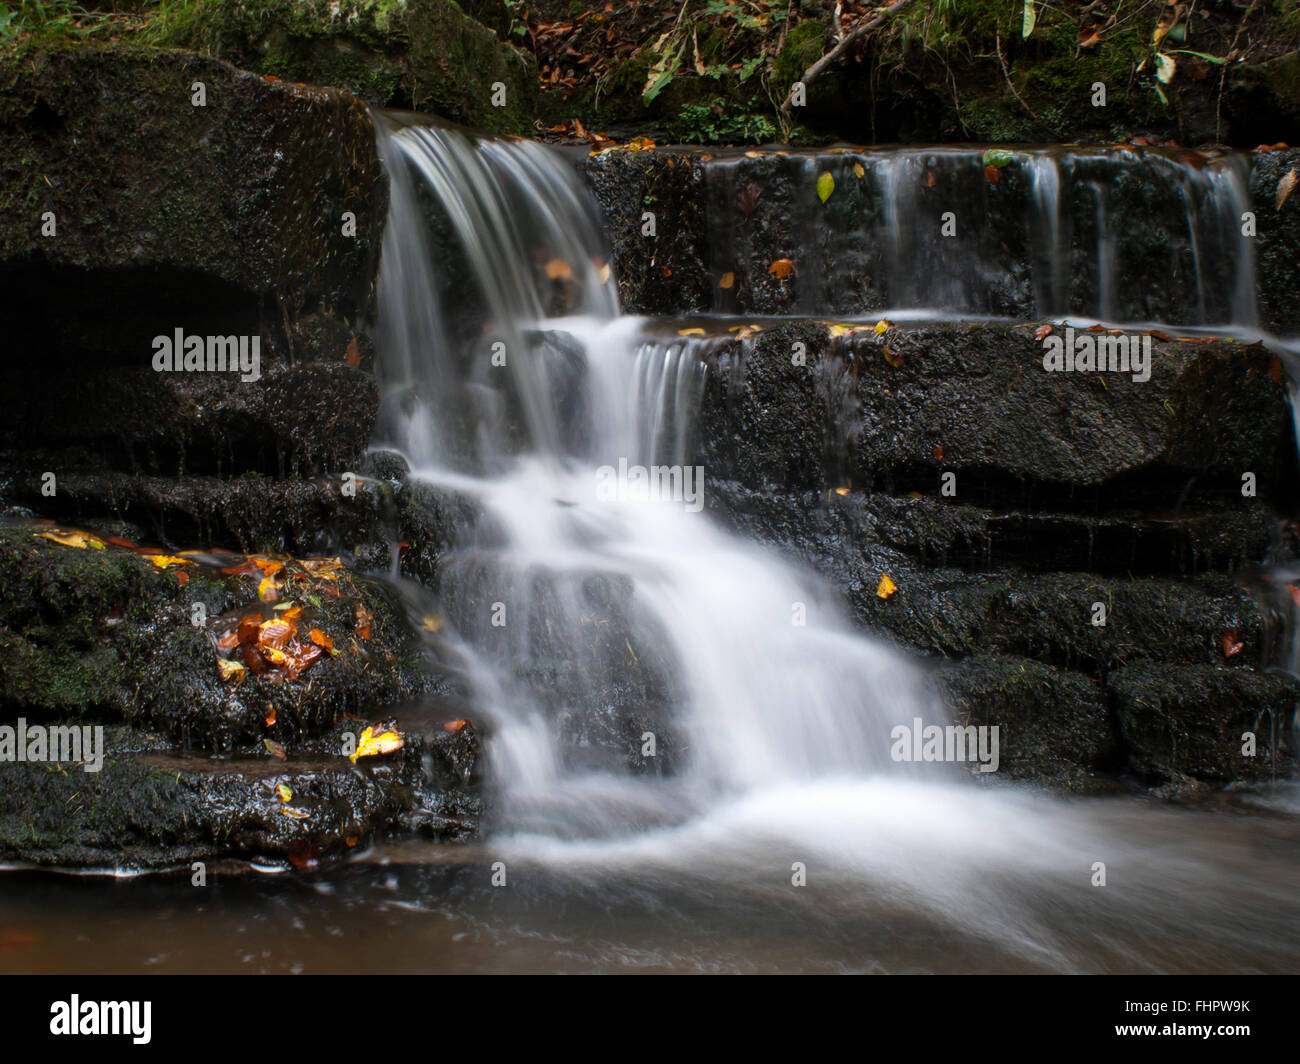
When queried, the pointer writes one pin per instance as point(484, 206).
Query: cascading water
point(576, 601)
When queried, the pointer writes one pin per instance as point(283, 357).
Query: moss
point(803, 44)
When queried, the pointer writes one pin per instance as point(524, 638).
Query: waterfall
point(595, 612)
point(745, 660)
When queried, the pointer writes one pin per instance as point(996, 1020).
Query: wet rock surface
point(1000, 582)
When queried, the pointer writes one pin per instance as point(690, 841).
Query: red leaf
point(991, 175)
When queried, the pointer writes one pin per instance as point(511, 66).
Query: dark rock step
point(303, 418)
point(1122, 234)
point(148, 809)
point(1044, 615)
point(105, 634)
point(975, 400)
point(1180, 722)
point(947, 534)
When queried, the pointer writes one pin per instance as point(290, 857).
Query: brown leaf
point(274, 749)
point(1042, 331)
point(364, 619)
point(455, 725)
point(354, 353)
point(780, 269)
point(1275, 370)
point(1285, 186)
point(728, 280)
point(1231, 644)
point(938, 452)
point(991, 175)
point(321, 639)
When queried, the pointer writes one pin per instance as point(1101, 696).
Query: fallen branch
point(818, 68)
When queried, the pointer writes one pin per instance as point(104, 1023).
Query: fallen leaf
point(1231, 644)
point(430, 623)
point(354, 353)
point(275, 634)
point(1165, 68)
point(859, 170)
point(559, 270)
point(80, 540)
point(604, 273)
point(1275, 370)
point(182, 577)
point(882, 326)
point(230, 670)
point(886, 587)
point(286, 795)
point(274, 749)
point(228, 641)
point(728, 280)
point(640, 144)
point(891, 356)
point(375, 742)
point(1028, 19)
point(270, 715)
point(938, 452)
point(825, 185)
point(1042, 331)
point(930, 178)
point(991, 175)
point(780, 269)
point(1089, 38)
point(691, 332)
point(266, 589)
point(293, 813)
point(842, 491)
point(302, 854)
point(350, 840)
point(1285, 186)
point(364, 619)
point(454, 725)
point(321, 639)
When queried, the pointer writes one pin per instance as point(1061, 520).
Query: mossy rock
point(428, 55)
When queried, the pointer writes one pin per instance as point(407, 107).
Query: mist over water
point(780, 730)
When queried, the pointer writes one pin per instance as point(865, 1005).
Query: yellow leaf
point(230, 670)
point(266, 590)
point(373, 743)
point(80, 540)
point(843, 329)
point(825, 185)
point(431, 623)
point(883, 326)
point(886, 587)
point(604, 274)
point(274, 749)
point(162, 561)
point(558, 270)
point(841, 491)
point(286, 795)
point(294, 814)
point(858, 170)
point(690, 332)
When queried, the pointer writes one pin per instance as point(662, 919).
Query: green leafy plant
point(710, 123)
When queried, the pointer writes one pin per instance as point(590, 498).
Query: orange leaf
point(728, 280)
point(1042, 331)
point(455, 725)
point(886, 587)
point(364, 619)
point(228, 641)
point(182, 577)
point(558, 270)
point(1231, 644)
point(780, 269)
point(270, 715)
point(266, 590)
point(938, 452)
point(274, 634)
point(354, 354)
point(991, 175)
point(321, 639)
